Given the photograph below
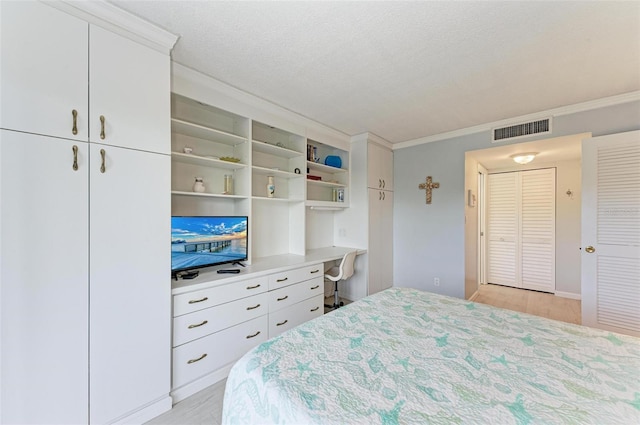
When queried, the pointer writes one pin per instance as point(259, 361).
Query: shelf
point(208, 195)
point(264, 198)
point(326, 204)
point(325, 168)
point(206, 161)
point(275, 173)
point(206, 133)
point(267, 148)
point(324, 184)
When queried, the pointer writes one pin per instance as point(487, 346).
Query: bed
point(411, 357)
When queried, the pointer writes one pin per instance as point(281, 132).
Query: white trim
point(147, 413)
point(201, 383)
point(569, 295)
point(114, 19)
point(564, 110)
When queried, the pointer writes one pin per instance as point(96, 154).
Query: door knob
point(590, 249)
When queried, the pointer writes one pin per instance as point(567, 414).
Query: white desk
point(259, 267)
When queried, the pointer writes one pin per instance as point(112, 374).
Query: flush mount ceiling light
point(524, 158)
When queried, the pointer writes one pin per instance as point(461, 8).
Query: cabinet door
point(130, 88)
point(380, 240)
point(43, 70)
point(130, 285)
point(380, 167)
point(43, 280)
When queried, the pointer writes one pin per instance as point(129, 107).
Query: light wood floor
point(532, 302)
point(205, 407)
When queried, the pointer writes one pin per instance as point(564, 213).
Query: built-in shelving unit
point(211, 143)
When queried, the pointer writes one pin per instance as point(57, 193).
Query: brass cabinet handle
point(314, 271)
point(75, 158)
point(198, 301)
point(384, 184)
point(254, 286)
point(282, 323)
point(198, 359)
point(284, 298)
point(254, 335)
point(384, 195)
point(379, 183)
point(379, 196)
point(204, 322)
point(282, 280)
point(103, 154)
point(314, 309)
point(590, 249)
point(102, 134)
point(74, 129)
point(254, 307)
point(315, 287)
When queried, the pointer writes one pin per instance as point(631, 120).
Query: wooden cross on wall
point(429, 186)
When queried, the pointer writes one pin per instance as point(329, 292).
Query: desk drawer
point(204, 322)
point(290, 277)
point(205, 355)
point(295, 315)
point(292, 294)
point(205, 298)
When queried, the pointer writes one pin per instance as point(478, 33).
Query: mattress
point(411, 357)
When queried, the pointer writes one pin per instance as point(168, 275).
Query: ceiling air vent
point(521, 130)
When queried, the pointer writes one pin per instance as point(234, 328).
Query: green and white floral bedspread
point(410, 357)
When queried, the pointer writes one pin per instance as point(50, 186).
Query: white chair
point(342, 272)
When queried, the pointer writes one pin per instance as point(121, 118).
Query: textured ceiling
point(406, 70)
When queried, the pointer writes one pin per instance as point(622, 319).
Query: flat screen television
point(205, 241)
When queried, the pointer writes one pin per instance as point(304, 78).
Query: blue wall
point(429, 240)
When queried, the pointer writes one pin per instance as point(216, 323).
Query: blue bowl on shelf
point(333, 161)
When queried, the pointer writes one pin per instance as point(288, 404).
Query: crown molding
point(114, 19)
point(372, 137)
point(556, 112)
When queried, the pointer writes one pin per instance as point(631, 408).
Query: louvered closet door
point(521, 229)
point(611, 232)
point(537, 229)
point(502, 229)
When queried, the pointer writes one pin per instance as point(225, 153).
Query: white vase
point(198, 186)
point(271, 187)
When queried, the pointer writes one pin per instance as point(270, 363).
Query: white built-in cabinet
point(380, 194)
point(84, 224)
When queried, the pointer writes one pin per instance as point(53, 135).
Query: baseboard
point(474, 296)
point(191, 388)
point(570, 295)
point(147, 413)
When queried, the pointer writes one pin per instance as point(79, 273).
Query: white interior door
point(503, 261)
point(521, 229)
point(611, 232)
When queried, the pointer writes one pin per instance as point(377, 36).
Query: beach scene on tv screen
point(205, 241)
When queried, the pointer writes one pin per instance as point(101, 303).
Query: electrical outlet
point(436, 281)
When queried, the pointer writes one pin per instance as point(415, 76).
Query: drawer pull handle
point(103, 161)
point(198, 359)
point(198, 301)
point(314, 309)
point(282, 323)
point(254, 286)
point(204, 322)
point(315, 287)
point(282, 280)
point(254, 307)
point(253, 336)
point(75, 158)
point(314, 271)
point(283, 298)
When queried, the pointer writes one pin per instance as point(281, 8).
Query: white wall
point(429, 240)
